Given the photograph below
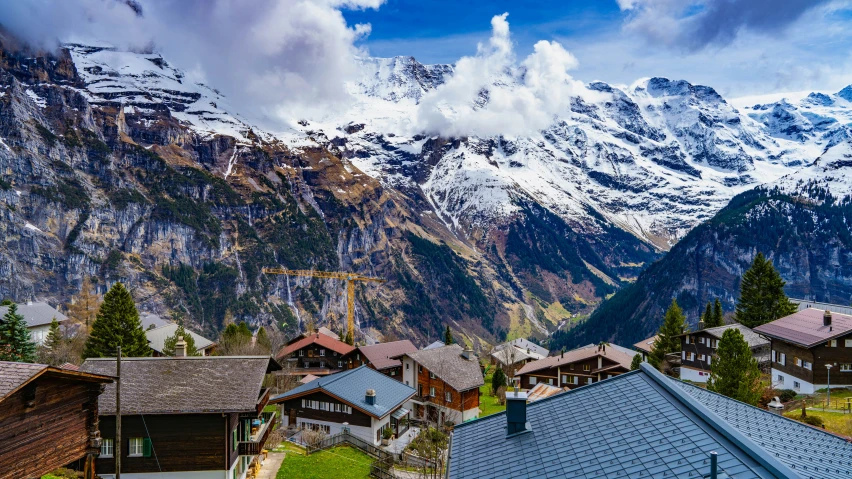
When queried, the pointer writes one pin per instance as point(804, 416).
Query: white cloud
point(490, 94)
point(277, 59)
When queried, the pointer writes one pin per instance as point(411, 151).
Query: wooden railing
point(255, 447)
point(381, 468)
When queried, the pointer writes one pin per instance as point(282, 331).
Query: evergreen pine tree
point(707, 317)
point(15, 342)
point(762, 297)
point(448, 336)
point(54, 336)
point(117, 324)
point(171, 341)
point(497, 380)
point(263, 341)
point(668, 341)
point(718, 315)
point(637, 360)
point(734, 371)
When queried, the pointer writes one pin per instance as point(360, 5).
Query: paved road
point(271, 465)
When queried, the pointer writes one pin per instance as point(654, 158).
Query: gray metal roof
point(351, 387)
point(150, 320)
point(436, 344)
point(643, 424)
point(447, 363)
point(157, 337)
point(196, 384)
point(524, 344)
point(836, 308)
point(36, 314)
point(753, 339)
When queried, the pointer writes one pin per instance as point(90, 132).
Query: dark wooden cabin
point(48, 418)
point(186, 415)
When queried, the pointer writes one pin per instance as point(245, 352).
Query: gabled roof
point(436, 344)
point(753, 339)
point(321, 330)
point(644, 424)
point(510, 354)
point(381, 355)
point(805, 327)
point(189, 385)
point(448, 365)
point(320, 339)
point(36, 314)
point(620, 355)
point(157, 337)
point(14, 376)
point(151, 319)
point(646, 344)
point(308, 378)
point(351, 387)
point(524, 345)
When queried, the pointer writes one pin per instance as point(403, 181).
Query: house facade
point(446, 380)
point(185, 417)
point(48, 418)
point(575, 368)
point(645, 346)
point(804, 344)
point(382, 357)
point(318, 354)
point(361, 401)
point(512, 355)
point(698, 350)
point(38, 316)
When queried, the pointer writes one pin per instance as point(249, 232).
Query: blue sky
point(739, 47)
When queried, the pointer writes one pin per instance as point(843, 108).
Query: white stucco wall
point(694, 375)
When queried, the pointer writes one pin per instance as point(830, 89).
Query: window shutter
point(146, 447)
point(234, 439)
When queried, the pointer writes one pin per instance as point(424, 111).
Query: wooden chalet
point(185, 417)
point(698, 348)
point(447, 381)
point(318, 354)
point(804, 343)
point(48, 419)
point(382, 357)
point(578, 367)
point(645, 346)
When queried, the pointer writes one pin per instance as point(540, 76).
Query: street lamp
point(828, 399)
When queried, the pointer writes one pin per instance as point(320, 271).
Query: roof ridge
point(335, 377)
point(719, 424)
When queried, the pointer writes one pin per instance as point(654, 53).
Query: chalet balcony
point(259, 434)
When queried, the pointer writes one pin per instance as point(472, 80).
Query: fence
point(381, 468)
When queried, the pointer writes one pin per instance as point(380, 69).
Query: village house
point(38, 316)
point(383, 357)
point(447, 381)
point(48, 418)
point(808, 346)
point(157, 339)
point(185, 417)
point(317, 353)
point(513, 354)
point(645, 346)
point(699, 347)
point(575, 368)
point(361, 401)
point(643, 424)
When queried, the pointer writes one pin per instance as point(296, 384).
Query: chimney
point(180, 347)
point(826, 318)
point(700, 324)
point(370, 397)
point(516, 413)
point(468, 353)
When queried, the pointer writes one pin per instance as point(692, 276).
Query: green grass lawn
point(835, 422)
point(339, 463)
point(488, 404)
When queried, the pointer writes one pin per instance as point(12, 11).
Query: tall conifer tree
point(718, 316)
point(707, 317)
point(448, 336)
point(734, 371)
point(668, 341)
point(15, 342)
point(762, 297)
point(117, 324)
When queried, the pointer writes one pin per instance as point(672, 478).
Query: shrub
point(814, 421)
point(786, 395)
point(387, 433)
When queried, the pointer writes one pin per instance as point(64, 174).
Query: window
point(848, 343)
point(532, 380)
point(393, 372)
point(701, 340)
point(431, 392)
point(340, 364)
point(301, 353)
point(550, 381)
point(587, 367)
point(783, 359)
point(419, 368)
point(564, 378)
point(448, 396)
point(796, 385)
point(807, 365)
point(780, 379)
point(832, 343)
point(774, 359)
point(107, 447)
point(588, 380)
point(687, 339)
point(709, 359)
point(322, 352)
point(846, 368)
point(797, 361)
point(692, 356)
point(134, 446)
point(358, 357)
point(701, 357)
point(432, 375)
point(407, 366)
point(683, 355)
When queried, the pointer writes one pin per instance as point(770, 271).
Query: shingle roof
point(806, 328)
point(613, 352)
point(753, 339)
point(36, 314)
point(14, 375)
point(643, 424)
point(157, 337)
point(447, 363)
point(380, 355)
point(351, 387)
point(323, 340)
point(646, 344)
point(197, 384)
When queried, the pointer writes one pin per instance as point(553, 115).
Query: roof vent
point(468, 353)
point(370, 397)
point(826, 318)
point(516, 413)
point(701, 325)
point(180, 347)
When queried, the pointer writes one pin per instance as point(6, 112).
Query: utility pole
point(118, 415)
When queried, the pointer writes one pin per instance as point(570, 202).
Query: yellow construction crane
point(350, 289)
